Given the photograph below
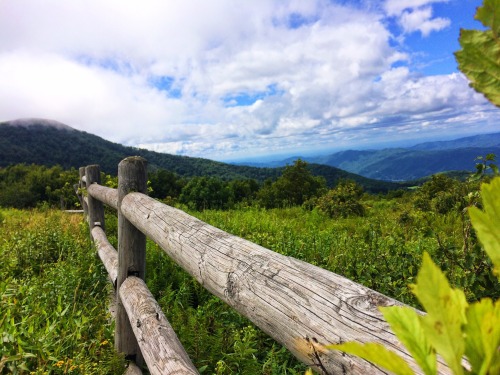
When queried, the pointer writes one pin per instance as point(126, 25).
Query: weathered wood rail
point(300, 305)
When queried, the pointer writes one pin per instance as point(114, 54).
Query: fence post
point(82, 185)
point(132, 177)
point(95, 207)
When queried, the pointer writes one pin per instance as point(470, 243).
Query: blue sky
point(227, 79)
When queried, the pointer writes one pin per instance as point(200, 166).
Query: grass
point(54, 289)
point(53, 297)
point(382, 250)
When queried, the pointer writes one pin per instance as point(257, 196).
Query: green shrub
point(342, 201)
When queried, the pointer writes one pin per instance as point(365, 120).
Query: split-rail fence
point(300, 305)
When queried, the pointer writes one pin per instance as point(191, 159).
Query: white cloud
point(416, 15)
point(396, 7)
point(309, 73)
point(421, 20)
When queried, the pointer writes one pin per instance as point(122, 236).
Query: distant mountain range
point(404, 164)
point(47, 142)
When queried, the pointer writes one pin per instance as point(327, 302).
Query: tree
point(441, 194)
point(294, 187)
point(165, 184)
point(202, 193)
point(24, 186)
point(343, 200)
point(243, 190)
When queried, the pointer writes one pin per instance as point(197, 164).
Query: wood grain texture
point(81, 185)
point(300, 305)
point(95, 206)
point(105, 194)
point(132, 369)
point(107, 253)
point(132, 176)
point(159, 344)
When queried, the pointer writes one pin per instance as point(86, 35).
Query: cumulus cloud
point(396, 7)
point(421, 20)
point(219, 78)
point(416, 15)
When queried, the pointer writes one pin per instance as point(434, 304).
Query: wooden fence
point(300, 305)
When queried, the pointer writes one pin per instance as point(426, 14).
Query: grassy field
point(53, 297)
point(54, 290)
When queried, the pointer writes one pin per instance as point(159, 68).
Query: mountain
point(475, 141)
point(404, 164)
point(46, 142)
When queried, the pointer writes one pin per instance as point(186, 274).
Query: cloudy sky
point(229, 79)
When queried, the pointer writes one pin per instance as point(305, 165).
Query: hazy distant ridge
point(403, 164)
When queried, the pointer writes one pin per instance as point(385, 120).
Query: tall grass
point(54, 291)
point(381, 250)
point(53, 297)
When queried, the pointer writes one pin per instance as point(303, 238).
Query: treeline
point(297, 186)
point(25, 186)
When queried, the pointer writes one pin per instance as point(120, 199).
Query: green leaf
point(377, 354)
point(405, 323)
point(479, 58)
point(445, 313)
point(488, 15)
point(483, 336)
point(487, 223)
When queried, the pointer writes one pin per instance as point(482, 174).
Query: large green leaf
point(445, 313)
point(488, 14)
point(483, 336)
point(487, 222)
point(377, 354)
point(479, 58)
point(405, 323)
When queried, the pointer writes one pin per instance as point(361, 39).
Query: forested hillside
point(49, 143)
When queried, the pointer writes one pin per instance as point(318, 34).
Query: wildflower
point(105, 342)
point(59, 364)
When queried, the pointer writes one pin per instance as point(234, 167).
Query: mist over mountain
point(410, 163)
point(47, 142)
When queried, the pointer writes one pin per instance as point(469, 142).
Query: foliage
point(479, 58)
point(295, 186)
point(487, 223)
point(165, 184)
point(216, 337)
point(243, 191)
point(342, 201)
point(486, 164)
point(53, 296)
point(202, 193)
point(451, 328)
point(23, 186)
point(441, 194)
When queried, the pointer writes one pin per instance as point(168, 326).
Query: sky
point(238, 79)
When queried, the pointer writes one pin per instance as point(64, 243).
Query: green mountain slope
point(44, 142)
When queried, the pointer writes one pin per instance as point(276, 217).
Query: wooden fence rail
point(300, 305)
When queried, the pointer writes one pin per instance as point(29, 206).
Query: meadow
point(55, 292)
point(53, 297)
